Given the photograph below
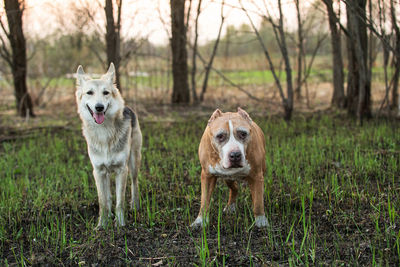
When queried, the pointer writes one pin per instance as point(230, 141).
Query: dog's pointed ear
point(80, 71)
point(217, 113)
point(81, 76)
point(110, 74)
point(244, 114)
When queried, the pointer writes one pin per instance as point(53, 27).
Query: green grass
point(331, 197)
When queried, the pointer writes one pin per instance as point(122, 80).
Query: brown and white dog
point(232, 148)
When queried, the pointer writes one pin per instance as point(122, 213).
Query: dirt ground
point(172, 242)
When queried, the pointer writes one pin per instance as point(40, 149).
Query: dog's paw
point(135, 204)
point(119, 223)
point(119, 218)
point(261, 221)
point(230, 208)
point(102, 224)
point(199, 223)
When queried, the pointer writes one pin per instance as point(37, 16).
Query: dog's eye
point(221, 137)
point(90, 92)
point(242, 134)
point(106, 93)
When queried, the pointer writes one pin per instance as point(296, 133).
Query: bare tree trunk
point(17, 57)
point(386, 54)
point(386, 51)
point(359, 81)
point(288, 69)
point(300, 53)
point(113, 38)
point(180, 91)
point(338, 97)
point(395, 87)
point(396, 57)
point(194, 66)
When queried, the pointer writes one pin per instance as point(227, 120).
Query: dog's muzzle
point(235, 159)
point(98, 116)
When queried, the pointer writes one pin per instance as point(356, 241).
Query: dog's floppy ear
point(109, 76)
point(244, 114)
point(81, 76)
point(217, 113)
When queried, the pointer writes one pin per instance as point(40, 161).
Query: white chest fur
point(108, 146)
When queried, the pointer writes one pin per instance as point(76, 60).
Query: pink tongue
point(98, 117)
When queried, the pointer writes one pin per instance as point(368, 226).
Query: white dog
point(113, 138)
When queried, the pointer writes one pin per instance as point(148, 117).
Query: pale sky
point(141, 18)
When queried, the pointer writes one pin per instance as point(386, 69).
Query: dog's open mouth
point(97, 116)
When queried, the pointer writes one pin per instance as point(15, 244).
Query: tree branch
point(266, 53)
point(5, 53)
point(194, 53)
point(4, 29)
point(210, 62)
point(228, 80)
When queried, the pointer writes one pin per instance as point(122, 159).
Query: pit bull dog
point(232, 148)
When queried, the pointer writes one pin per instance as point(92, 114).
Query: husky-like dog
point(113, 138)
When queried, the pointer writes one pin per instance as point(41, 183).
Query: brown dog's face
point(230, 136)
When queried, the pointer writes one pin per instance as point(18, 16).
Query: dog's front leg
point(256, 186)
point(120, 186)
point(233, 191)
point(207, 188)
point(102, 179)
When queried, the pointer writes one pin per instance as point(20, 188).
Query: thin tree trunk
point(288, 69)
point(386, 51)
point(338, 97)
point(352, 79)
point(180, 91)
point(194, 66)
point(214, 52)
point(395, 88)
point(396, 58)
point(300, 53)
point(359, 83)
point(14, 10)
point(385, 65)
point(113, 38)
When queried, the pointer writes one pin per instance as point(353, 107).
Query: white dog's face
point(97, 99)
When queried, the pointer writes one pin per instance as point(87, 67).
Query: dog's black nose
point(99, 107)
point(235, 156)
